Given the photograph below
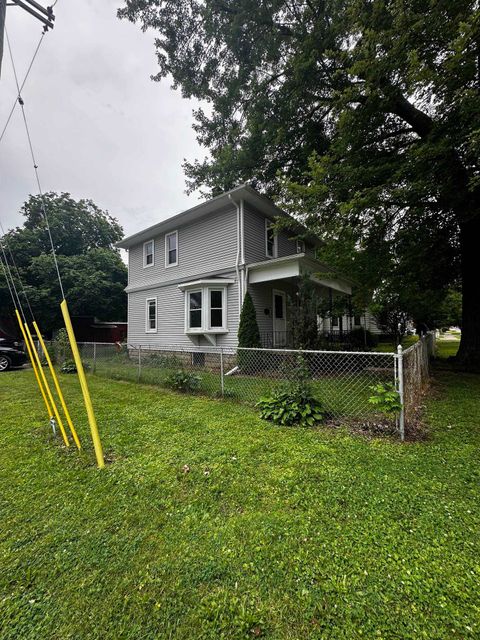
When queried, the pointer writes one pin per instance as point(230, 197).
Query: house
point(188, 274)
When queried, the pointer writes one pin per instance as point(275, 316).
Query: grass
point(269, 532)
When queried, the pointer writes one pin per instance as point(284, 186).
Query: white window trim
point(147, 323)
point(223, 328)
point(167, 235)
point(206, 328)
point(269, 223)
point(145, 265)
point(187, 311)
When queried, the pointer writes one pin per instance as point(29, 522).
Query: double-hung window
point(171, 249)
point(195, 309)
point(151, 315)
point(216, 309)
point(270, 239)
point(148, 253)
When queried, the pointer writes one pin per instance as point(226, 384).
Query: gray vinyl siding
point(204, 246)
point(171, 318)
point(254, 234)
point(262, 297)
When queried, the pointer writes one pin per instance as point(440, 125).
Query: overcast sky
point(101, 128)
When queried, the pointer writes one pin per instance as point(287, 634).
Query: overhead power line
point(19, 98)
point(35, 167)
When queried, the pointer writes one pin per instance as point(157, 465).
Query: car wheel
point(4, 363)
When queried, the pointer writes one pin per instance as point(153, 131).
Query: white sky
point(101, 128)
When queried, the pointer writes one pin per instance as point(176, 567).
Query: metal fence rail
point(341, 380)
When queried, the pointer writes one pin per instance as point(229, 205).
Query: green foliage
point(61, 350)
point(184, 381)
point(69, 366)
point(93, 273)
point(304, 308)
point(161, 360)
point(248, 332)
point(385, 398)
point(293, 402)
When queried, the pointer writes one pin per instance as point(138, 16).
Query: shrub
point(161, 360)
point(248, 336)
point(385, 398)
point(183, 381)
point(69, 366)
point(362, 338)
point(292, 404)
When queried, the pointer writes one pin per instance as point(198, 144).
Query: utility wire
point(35, 166)
point(16, 299)
point(6, 243)
point(19, 98)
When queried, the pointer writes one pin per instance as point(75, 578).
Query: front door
point(279, 319)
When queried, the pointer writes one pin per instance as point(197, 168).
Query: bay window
point(206, 306)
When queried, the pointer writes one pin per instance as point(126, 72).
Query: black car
point(11, 354)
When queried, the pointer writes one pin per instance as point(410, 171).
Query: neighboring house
point(188, 275)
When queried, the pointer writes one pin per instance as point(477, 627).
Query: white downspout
point(242, 250)
point(237, 261)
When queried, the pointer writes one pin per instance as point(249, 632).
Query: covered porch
point(272, 283)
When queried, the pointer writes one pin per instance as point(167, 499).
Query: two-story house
point(188, 275)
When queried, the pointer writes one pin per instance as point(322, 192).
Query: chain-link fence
point(416, 375)
point(342, 381)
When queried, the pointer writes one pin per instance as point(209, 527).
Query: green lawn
point(273, 532)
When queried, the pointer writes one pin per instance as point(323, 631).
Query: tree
point(93, 274)
point(381, 96)
point(248, 333)
point(304, 309)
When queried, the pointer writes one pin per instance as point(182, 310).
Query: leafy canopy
point(93, 273)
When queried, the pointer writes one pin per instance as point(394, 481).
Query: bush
point(69, 366)
point(183, 381)
point(385, 398)
point(161, 360)
point(292, 404)
point(248, 336)
point(362, 338)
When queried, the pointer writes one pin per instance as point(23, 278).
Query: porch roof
point(294, 266)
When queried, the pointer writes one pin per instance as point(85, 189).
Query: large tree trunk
point(468, 356)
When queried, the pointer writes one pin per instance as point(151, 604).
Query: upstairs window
point(171, 249)
point(148, 253)
point(270, 240)
point(300, 246)
point(151, 315)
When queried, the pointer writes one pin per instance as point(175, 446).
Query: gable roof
point(245, 192)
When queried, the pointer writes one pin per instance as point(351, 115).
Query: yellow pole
point(57, 386)
point(47, 388)
point(83, 383)
point(34, 366)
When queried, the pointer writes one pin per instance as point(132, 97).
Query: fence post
point(94, 357)
point(401, 392)
point(222, 380)
point(139, 375)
